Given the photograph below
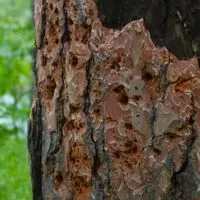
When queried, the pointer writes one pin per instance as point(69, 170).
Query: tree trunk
point(116, 112)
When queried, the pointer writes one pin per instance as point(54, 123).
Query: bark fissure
point(65, 35)
point(100, 180)
point(90, 128)
point(43, 25)
point(35, 129)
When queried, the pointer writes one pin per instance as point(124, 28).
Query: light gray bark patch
point(81, 17)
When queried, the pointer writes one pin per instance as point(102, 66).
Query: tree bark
point(116, 112)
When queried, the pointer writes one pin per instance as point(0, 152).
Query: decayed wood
point(116, 114)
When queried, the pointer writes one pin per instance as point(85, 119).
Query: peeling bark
point(116, 113)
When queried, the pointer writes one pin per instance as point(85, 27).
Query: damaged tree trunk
point(116, 112)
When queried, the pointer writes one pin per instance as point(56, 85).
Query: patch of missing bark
point(173, 24)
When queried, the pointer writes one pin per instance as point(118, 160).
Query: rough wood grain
point(119, 85)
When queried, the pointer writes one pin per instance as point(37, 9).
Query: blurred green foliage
point(16, 44)
point(14, 172)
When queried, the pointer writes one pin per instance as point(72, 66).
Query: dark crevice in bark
point(65, 36)
point(35, 129)
point(163, 80)
point(86, 107)
point(100, 181)
point(43, 25)
point(90, 128)
point(199, 62)
point(171, 23)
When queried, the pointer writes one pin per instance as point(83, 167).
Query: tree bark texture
point(116, 114)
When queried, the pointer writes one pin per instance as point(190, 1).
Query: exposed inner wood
point(119, 84)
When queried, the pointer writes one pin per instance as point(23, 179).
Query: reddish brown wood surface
point(120, 115)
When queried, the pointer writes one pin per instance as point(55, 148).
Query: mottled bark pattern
point(119, 86)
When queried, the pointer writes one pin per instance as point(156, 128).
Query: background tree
point(116, 107)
